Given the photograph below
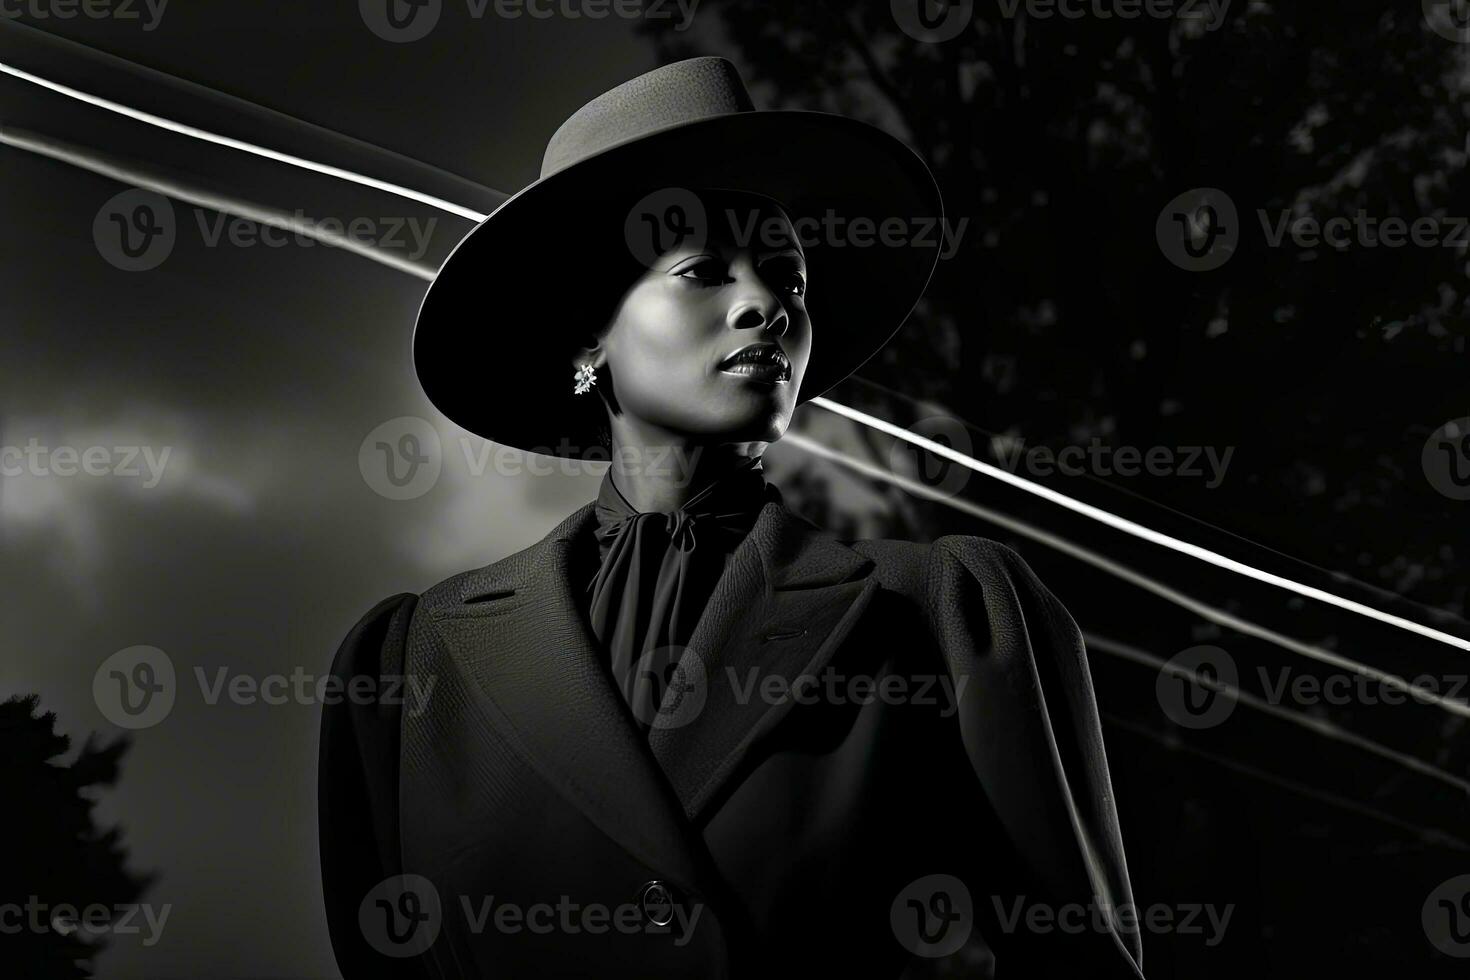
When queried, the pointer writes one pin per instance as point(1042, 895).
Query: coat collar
point(787, 598)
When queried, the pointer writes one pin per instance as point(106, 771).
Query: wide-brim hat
point(519, 296)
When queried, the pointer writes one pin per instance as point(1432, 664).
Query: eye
point(704, 270)
point(793, 282)
point(787, 277)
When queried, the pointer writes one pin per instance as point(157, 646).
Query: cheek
point(660, 348)
point(799, 347)
point(661, 338)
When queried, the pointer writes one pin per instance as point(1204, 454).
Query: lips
point(760, 362)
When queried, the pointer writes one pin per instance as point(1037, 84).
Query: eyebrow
point(792, 251)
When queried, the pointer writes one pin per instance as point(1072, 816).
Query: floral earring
point(586, 378)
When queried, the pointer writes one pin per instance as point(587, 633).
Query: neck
point(657, 470)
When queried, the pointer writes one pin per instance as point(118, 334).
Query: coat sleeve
point(1030, 727)
point(357, 785)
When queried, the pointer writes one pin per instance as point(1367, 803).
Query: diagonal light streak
point(1087, 510)
point(1310, 722)
point(1137, 530)
point(98, 163)
point(203, 134)
point(1196, 606)
point(935, 408)
point(1428, 834)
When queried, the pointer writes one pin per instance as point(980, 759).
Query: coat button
point(657, 902)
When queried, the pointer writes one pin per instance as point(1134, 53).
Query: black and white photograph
point(695, 489)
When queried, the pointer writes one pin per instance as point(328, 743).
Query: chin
point(767, 426)
point(758, 413)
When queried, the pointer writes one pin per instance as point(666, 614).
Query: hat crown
point(682, 92)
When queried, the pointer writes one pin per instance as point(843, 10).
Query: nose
point(756, 307)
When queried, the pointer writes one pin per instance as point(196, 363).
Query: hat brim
point(510, 307)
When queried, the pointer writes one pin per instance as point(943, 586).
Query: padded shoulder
point(914, 569)
point(377, 637)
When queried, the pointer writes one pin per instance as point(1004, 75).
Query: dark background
point(1060, 320)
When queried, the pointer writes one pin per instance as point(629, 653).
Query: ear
point(594, 356)
point(592, 352)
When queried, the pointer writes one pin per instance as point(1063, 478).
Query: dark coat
point(783, 831)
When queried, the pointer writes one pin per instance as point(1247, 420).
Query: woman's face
point(712, 341)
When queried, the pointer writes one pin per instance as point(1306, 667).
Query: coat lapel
point(519, 633)
point(787, 599)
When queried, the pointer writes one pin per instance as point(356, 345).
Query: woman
point(687, 734)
